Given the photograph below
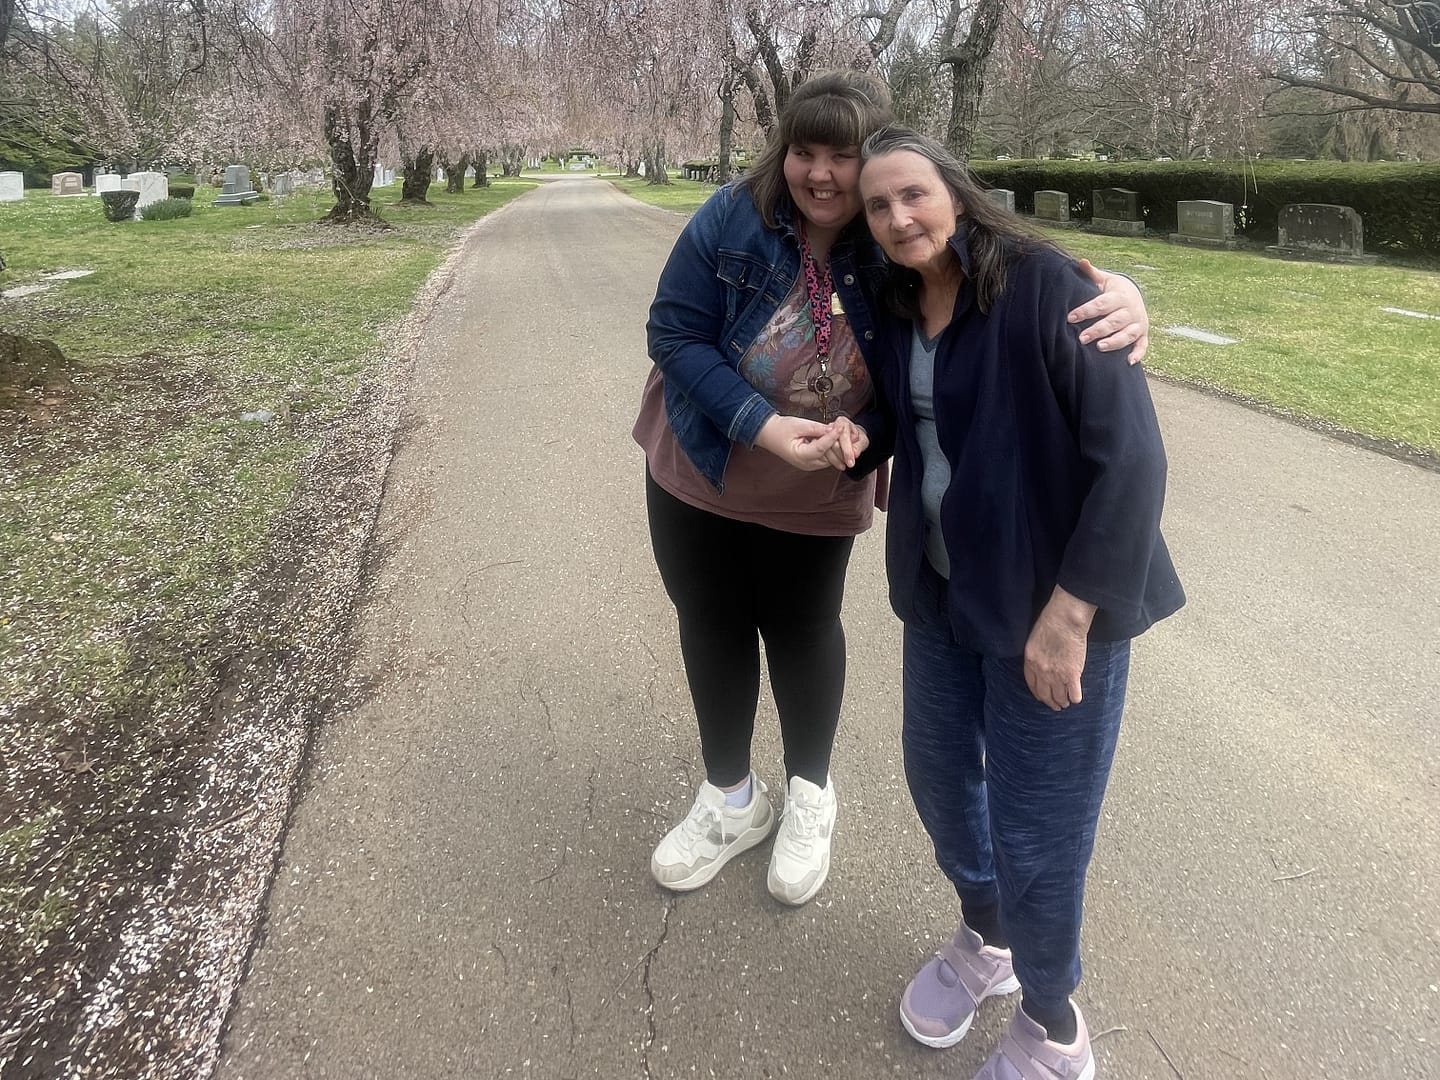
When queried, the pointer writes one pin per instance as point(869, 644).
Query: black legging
point(730, 580)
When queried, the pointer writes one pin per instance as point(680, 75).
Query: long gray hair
point(993, 234)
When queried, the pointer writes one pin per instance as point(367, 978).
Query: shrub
point(119, 205)
point(167, 209)
point(182, 191)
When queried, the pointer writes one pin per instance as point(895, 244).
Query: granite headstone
point(1116, 211)
point(1321, 231)
point(1052, 205)
point(1205, 222)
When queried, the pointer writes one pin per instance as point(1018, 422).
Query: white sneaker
point(801, 859)
point(710, 836)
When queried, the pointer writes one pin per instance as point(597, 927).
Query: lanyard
point(819, 287)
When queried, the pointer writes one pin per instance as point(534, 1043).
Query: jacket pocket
point(744, 276)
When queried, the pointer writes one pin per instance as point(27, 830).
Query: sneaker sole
point(704, 875)
point(944, 1042)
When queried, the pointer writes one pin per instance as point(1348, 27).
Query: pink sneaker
point(940, 1002)
point(1025, 1053)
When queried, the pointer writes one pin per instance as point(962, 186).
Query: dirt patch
point(57, 412)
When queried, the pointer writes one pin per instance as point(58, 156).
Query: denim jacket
point(726, 276)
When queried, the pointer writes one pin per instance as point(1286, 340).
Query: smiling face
point(910, 210)
point(824, 184)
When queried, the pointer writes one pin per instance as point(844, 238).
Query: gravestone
point(1052, 205)
point(1116, 211)
point(237, 189)
point(1321, 231)
point(107, 182)
point(152, 186)
point(283, 184)
point(67, 183)
point(12, 186)
point(1003, 198)
point(1206, 223)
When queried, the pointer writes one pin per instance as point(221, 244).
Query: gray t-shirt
point(936, 476)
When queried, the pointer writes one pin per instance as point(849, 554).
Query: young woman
point(759, 330)
point(1023, 553)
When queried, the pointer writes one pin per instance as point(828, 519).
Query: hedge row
point(1398, 201)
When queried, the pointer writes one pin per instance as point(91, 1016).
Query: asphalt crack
point(649, 991)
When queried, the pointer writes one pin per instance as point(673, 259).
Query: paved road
point(465, 889)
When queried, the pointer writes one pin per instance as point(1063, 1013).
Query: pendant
point(822, 385)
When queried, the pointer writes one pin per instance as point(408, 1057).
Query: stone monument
point(107, 182)
point(1052, 205)
point(237, 190)
point(152, 186)
point(282, 184)
point(1003, 198)
point(1205, 222)
point(12, 186)
point(1321, 231)
point(1116, 211)
point(67, 183)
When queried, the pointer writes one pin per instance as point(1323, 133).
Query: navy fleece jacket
point(1057, 467)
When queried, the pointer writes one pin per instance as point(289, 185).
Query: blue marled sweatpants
point(1010, 791)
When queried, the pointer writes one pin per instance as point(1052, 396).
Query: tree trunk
point(764, 112)
point(482, 168)
point(416, 184)
point(727, 128)
point(455, 178)
point(512, 159)
point(968, 69)
point(656, 174)
point(353, 154)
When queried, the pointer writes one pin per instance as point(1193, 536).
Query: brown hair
point(833, 108)
point(993, 234)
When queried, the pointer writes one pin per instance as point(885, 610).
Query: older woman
point(1023, 553)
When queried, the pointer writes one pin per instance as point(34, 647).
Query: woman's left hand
point(1125, 320)
point(1055, 651)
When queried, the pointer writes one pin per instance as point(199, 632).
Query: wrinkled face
point(910, 210)
point(824, 183)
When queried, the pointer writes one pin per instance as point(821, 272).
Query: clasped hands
point(810, 445)
point(1055, 652)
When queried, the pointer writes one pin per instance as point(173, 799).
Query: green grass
point(134, 498)
point(684, 196)
point(1313, 339)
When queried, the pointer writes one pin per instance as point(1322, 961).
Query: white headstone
point(12, 186)
point(152, 186)
point(107, 182)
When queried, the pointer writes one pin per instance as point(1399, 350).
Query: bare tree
point(1374, 54)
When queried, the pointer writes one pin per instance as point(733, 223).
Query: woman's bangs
point(825, 121)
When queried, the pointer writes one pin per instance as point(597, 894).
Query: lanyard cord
point(819, 287)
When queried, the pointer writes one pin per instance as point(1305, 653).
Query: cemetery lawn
point(1313, 340)
point(681, 195)
point(134, 500)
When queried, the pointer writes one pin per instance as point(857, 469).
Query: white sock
point(741, 795)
